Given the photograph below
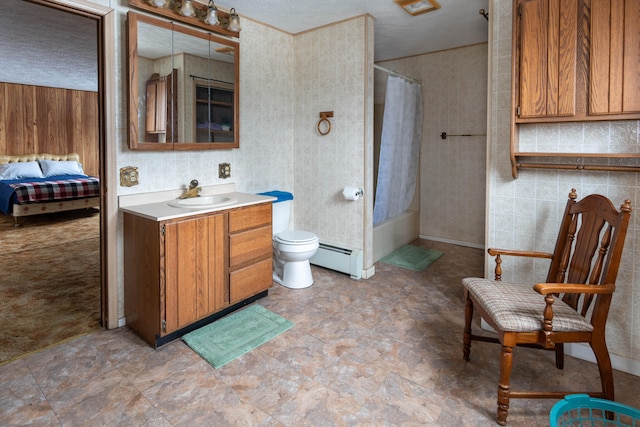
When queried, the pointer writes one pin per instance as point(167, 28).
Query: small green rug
point(412, 257)
point(236, 334)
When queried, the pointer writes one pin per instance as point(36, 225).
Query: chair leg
point(468, 317)
point(599, 348)
point(560, 355)
point(504, 387)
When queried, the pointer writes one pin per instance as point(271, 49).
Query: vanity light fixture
point(212, 14)
point(417, 7)
point(187, 8)
point(196, 13)
point(234, 20)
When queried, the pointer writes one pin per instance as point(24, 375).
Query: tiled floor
point(383, 351)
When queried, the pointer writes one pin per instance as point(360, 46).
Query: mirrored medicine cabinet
point(183, 87)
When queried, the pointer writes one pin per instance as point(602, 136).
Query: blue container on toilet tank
point(281, 209)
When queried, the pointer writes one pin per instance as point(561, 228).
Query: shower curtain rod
point(397, 74)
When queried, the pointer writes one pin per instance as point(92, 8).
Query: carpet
point(49, 280)
point(236, 334)
point(412, 257)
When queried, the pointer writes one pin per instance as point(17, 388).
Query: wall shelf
point(612, 162)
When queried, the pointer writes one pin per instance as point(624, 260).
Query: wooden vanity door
point(194, 269)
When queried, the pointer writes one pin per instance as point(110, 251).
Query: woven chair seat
point(518, 308)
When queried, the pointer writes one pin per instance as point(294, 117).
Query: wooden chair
point(583, 269)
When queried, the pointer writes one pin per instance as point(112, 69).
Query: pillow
point(19, 170)
point(55, 168)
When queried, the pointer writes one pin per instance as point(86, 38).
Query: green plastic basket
point(582, 410)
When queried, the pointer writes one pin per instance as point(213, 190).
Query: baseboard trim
point(453, 242)
point(619, 363)
point(368, 272)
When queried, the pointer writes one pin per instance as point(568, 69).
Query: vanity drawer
point(250, 280)
point(250, 217)
point(249, 245)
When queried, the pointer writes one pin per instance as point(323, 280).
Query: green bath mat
point(236, 334)
point(412, 257)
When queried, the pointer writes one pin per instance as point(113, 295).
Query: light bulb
point(234, 20)
point(212, 14)
point(187, 8)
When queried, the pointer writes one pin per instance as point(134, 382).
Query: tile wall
point(334, 73)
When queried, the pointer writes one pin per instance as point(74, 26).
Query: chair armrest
point(498, 252)
point(550, 290)
point(494, 252)
point(573, 288)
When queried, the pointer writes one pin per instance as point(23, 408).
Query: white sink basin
point(203, 202)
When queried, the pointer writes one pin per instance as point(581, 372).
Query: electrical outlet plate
point(128, 176)
point(224, 170)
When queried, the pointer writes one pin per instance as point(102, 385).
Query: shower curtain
point(399, 149)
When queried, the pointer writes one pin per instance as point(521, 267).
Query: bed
point(36, 184)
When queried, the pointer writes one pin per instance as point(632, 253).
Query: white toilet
point(291, 249)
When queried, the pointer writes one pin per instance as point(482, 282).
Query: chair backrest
point(589, 246)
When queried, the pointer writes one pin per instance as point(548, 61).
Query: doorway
point(103, 25)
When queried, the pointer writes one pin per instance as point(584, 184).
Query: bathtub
point(394, 233)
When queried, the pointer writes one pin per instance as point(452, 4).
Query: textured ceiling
point(397, 33)
point(30, 33)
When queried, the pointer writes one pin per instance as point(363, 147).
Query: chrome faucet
point(192, 191)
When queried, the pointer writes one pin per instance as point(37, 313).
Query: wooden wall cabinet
point(156, 117)
point(196, 118)
point(574, 61)
point(546, 58)
point(183, 273)
point(615, 57)
point(161, 121)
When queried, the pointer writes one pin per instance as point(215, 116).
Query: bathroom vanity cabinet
point(182, 273)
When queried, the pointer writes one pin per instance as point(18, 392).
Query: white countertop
point(154, 205)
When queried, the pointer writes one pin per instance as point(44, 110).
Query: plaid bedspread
point(49, 190)
point(35, 190)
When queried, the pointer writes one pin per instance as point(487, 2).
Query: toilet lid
point(296, 237)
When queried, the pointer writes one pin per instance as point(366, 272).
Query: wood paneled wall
point(37, 119)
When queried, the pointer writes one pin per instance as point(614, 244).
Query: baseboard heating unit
point(344, 260)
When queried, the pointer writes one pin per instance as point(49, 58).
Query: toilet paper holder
point(352, 193)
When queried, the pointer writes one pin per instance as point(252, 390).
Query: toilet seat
point(295, 237)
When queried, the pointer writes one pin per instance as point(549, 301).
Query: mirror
point(183, 91)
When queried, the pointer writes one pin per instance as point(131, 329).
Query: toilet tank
point(281, 209)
